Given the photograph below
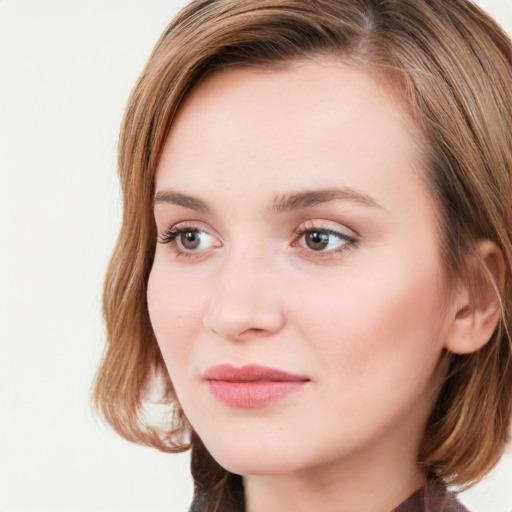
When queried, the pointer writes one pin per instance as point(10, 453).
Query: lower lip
point(252, 394)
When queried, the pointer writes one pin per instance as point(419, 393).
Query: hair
point(452, 64)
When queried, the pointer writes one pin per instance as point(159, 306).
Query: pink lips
point(251, 385)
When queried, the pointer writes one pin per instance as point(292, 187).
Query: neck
point(375, 480)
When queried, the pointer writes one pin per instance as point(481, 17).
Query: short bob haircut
point(452, 65)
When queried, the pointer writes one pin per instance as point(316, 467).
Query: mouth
point(251, 385)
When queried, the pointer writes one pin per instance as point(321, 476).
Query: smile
point(251, 385)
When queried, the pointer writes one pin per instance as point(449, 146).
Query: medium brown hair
point(453, 66)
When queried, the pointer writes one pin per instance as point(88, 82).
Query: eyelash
point(169, 237)
point(350, 241)
point(172, 233)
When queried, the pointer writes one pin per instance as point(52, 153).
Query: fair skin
point(344, 289)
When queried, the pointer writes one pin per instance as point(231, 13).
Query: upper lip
point(250, 373)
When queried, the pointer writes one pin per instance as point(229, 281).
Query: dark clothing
point(438, 499)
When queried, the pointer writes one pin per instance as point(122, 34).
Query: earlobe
point(477, 302)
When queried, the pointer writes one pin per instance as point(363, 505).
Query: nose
point(246, 301)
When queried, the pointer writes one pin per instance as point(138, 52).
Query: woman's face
point(296, 233)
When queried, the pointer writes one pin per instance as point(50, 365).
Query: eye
point(187, 239)
point(324, 241)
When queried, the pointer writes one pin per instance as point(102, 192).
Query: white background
point(66, 69)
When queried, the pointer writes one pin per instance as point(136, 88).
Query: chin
point(252, 457)
point(247, 464)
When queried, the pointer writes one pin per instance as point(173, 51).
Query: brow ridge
point(177, 198)
point(281, 204)
point(309, 198)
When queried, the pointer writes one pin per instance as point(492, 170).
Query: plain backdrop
point(66, 69)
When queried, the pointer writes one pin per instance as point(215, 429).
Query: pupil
point(190, 240)
point(317, 240)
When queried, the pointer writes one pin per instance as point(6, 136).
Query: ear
point(477, 306)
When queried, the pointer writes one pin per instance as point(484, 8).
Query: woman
point(314, 266)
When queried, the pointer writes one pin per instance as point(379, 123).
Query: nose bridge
point(246, 299)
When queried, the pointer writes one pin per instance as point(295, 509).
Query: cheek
point(377, 328)
point(176, 311)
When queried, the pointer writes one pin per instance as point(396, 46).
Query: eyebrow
point(282, 204)
point(310, 198)
point(173, 197)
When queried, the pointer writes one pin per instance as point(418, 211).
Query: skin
point(366, 322)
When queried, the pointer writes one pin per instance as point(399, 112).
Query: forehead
point(303, 125)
